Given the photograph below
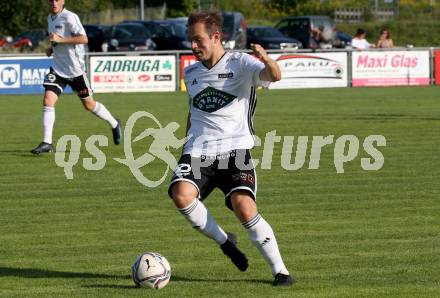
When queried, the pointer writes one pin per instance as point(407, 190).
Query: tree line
point(21, 15)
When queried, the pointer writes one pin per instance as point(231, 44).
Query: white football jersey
point(68, 59)
point(222, 103)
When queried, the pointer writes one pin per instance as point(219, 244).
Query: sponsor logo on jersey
point(210, 99)
point(225, 75)
point(243, 177)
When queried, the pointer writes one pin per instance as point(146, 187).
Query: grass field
point(357, 234)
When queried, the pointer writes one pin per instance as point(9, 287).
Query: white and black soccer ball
point(151, 270)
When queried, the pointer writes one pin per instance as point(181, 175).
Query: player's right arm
point(75, 28)
point(79, 39)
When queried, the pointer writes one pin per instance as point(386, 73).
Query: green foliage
point(416, 17)
point(181, 8)
point(21, 15)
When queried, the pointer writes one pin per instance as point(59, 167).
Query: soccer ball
point(151, 270)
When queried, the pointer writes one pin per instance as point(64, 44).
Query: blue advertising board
point(24, 75)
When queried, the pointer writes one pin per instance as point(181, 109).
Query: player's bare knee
point(243, 205)
point(183, 194)
point(48, 104)
point(89, 104)
point(49, 100)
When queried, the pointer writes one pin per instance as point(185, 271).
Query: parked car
point(168, 35)
point(130, 37)
point(30, 39)
point(5, 40)
point(178, 29)
point(301, 28)
point(97, 35)
point(343, 40)
point(270, 38)
point(234, 31)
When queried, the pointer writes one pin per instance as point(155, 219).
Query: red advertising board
point(185, 60)
point(437, 66)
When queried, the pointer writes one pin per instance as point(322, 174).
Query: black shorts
point(229, 172)
point(56, 83)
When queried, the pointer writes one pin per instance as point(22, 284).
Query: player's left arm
point(271, 72)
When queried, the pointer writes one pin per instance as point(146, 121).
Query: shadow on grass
point(176, 278)
point(110, 287)
point(41, 273)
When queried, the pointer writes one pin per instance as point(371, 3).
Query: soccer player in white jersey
point(68, 37)
point(221, 88)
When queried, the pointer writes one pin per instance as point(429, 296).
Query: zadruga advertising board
point(390, 68)
point(24, 75)
point(133, 73)
point(311, 70)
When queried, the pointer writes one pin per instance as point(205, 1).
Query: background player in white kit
point(68, 37)
point(221, 89)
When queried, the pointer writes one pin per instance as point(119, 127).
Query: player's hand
point(55, 38)
point(259, 51)
point(49, 51)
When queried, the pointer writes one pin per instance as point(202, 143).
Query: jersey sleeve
point(76, 28)
point(253, 67)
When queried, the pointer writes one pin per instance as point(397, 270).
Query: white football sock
point(200, 219)
point(48, 120)
point(264, 239)
point(101, 111)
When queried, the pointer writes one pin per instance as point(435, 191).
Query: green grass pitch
point(357, 234)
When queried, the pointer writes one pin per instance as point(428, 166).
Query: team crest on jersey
point(210, 99)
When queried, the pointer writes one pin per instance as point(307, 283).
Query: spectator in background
point(318, 40)
point(360, 42)
point(385, 40)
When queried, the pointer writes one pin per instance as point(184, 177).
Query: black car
point(97, 36)
point(301, 28)
point(167, 34)
point(130, 37)
point(178, 30)
point(234, 30)
point(270, 38)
